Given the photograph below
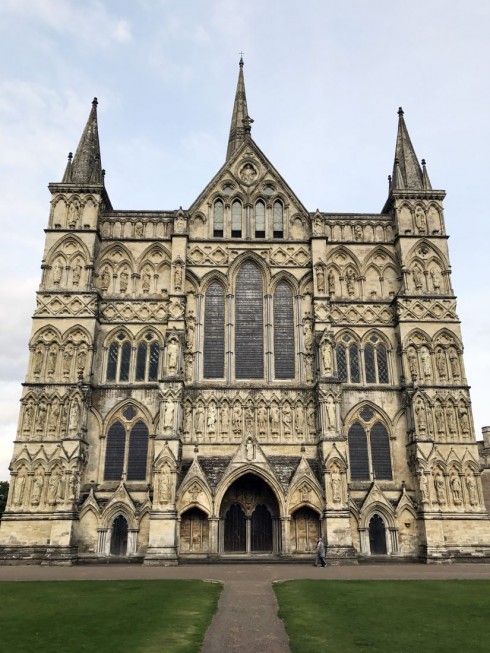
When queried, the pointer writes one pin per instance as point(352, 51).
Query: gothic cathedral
point(234, 379)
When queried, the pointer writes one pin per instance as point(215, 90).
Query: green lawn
point(386, 616)
point(156, 616)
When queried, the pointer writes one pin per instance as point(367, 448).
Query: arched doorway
point(305, 530)
point(249, 518)
point(377, 536)
point(194, 531)
point(119, 537)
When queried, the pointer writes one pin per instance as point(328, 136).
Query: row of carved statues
point(40, 489)
point(51, 361)
point(50, 418)
point(442, 423)
point(449, 490)
point(442, 364)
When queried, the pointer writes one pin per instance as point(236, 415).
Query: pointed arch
point(214, 331)
point(249, 321)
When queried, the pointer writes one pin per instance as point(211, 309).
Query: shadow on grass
point(385, 616)
point(156, 616)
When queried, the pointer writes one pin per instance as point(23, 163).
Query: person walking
point(320, 553)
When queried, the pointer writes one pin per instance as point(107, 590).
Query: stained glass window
point(125, 362)
point(141, 362)
point(138, 452)
point(342, 363)
point(358, 453)
point(369, 364)
point(112, 361)
point(219, 213)
point(154, 359)
point(114, 457)
point(284, 355)
point(249, 323)
point(260, 220)
point(382, 364)
point(214, 332)
point(380, 452)
point(236, 219)
point(355, 376)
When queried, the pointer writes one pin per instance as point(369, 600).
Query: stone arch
point(254, 470)
point(211, 277)
point(193, 487)
point(283, 276)
point(299, 496)
point(62, 246)
point(237, 264)
point(112, 415)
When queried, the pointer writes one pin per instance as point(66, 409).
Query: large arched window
point(376, 361)
point(249, 323)
point(219, 219)
point(125, 364)
point(127, 448)
point(284, 354)
point(260, 219)
point(147, 358)
point(348, 367)
point(236, 219)
point(214, 332)
point(278, 220)
point(369, 448)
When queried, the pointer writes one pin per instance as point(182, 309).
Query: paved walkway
point(246, 620)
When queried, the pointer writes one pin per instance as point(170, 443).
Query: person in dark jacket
point(320, 553)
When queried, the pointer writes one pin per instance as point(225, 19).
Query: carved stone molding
point(139, 311)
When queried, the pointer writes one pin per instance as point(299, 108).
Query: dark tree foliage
point(4, 492)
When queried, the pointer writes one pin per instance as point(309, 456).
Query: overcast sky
point(324, 81)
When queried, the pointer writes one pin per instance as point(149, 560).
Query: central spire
point(240, 120)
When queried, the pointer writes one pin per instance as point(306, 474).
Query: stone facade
point(239, 377)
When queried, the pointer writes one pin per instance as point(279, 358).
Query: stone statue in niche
point(249, 449)
point(441, 364)
point(37, 487)
point(54, 487)
point(305, 492)
point(350, 279)
point(307, 336)
point(248, 174)
point(164, 489)
point(41, 418)
point(146, 282)
point(28, 415)
point(53, 417)
point(105, 279)
point(309, 373)
point(331, 283)
point(74, 484)
point(311, 418)
point(178, 277)
point(38, 360)
point(357, 232)
point(439, 417)
point(67, 358)
point(19, 487)
point(190, 330)
point(249, 418)
point(187, 418)
point(286, 418)
point(436, 277)
point(275, 417)
point(331, 414)
point(262, 419)
point(81, 360)
point(73, 215)
point(224, 420)
point(64, 418)
point(317, 225)
point(440, 488)
point(139, 230)
point(412, 363)
point(123, 281)
point(336, 483)
point(456, 489)
point(472, 489)
point(299, 418)
point(327, 359)
point(320, 279)
point(237, 418)
point(417, 277)
point(424, 488)
point(172, 356)
point(211, 423)
point(454, 363)
point(168, 415)
point(421, 417)
point(57, 272)
point(420, 220)
point(180, 223)
point(76, 273)
point(199, 419)
point(52, 356)
point(74, 418)
point(464, 419)
point(425, 363)
point(189, 363)
point(451, 420)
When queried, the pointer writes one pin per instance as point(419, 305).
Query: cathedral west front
point(234, 379)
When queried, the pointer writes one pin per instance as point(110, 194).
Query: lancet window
point(278, 220)
point(126, 364)
point(369, 448)
point(348, 360)
point(214, 332)
point(376, 361)
point(127, 448)
point(219, 219)
point(236, 219)
point(249, 323)
point(284, 351)
point(260, 219)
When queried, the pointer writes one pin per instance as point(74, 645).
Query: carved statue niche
point(57, 272)
point(436, 278)
point(454, 364)
point(421, 417)
point(309, 368)
point(286, 418)
point(275, 420)
point(146, 281)
point(187, 426)
point(326, 350)
point(38, 360)
point(418, 276)
point(262, 419)
point(331, 414)
point(41, 416)
point(73, 214)
point(54, 414)
point(76, 273)
point(51, 361)
point(299, 419)
point(439, 421)
point(188, 367)
point(224, 424)
point(67, 359)
point(425, 364)
point(441, 364)
point(308, 334)
point(81, 360)
point(123, 281)
point(211, 419)
point(336, 484)
point(472, 488)
point(190, 324)
point(178, 275)
point(199, 420)
point(37, 486)
point(236, 418)
point(424, 487)
point(320, 277)
point(413, 365)
point(55, 487)
point(164, 486)
point(440, 488)
point(311, 419)
point(420, 220)
point(28, 418)
point(173, 352)
point(456, 489)
point(464, 420)
point(331, 283)
point(451, 421)
point(19, 487)
point(249, 449)
point(350, 282)
point(105, 279)
point(74, 417)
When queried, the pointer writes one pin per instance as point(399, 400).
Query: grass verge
point(385, 616)
point(156, 616)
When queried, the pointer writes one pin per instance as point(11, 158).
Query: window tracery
point(127, 363)
point(369, 448)
point(127, 447)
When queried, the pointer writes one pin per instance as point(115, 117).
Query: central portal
point(249, 518)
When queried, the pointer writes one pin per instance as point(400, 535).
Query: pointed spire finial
point(85, 166)
point(407, 172)
point(240, 127)
point(400, 112)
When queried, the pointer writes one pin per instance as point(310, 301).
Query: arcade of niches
point(237, 378)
